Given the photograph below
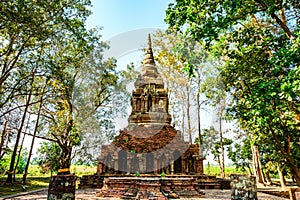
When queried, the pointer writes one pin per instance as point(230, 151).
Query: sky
point(126, 24)
point(119, 16)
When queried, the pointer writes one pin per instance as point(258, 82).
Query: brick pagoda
point(149, 144)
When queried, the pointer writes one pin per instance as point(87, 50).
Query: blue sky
point(118, 16)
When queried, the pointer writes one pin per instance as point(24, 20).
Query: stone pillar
point(138, 108)
point(172, 168)
point(146, 104)
point(167, 106)
point(134, 106)
point(199, 165)
point(142, 104)
point(62, 187)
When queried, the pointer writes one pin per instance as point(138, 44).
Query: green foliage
point(259, 44)
point(211, 142)
point(162, 174)
point(48, 154)
point(215, 170)
point(137, 174)
point(27, 30)
point(241, 155)
point(5, 162)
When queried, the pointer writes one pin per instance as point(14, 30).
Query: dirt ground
point(85, 194)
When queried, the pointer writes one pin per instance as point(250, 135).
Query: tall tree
point(213, 145)
point(20, 128)
point(259, 42)
point(27, 26)
point(175, 53)
point(34, 133)
point(80, 86)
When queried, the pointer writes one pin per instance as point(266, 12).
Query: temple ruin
point(149, 159)
point(149, 144)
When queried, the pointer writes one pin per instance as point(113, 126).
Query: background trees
point(174, 54)
point(259, 44)
point(53, 77)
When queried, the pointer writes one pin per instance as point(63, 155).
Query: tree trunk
point(222, 164)
point(18, 158)
point(296, 175)
point(268, 178)
point(289, 159)
point(65, 160)
point(256, 165)
point(32, 142)
point(281, 178)
point(13, 156)
point(250, 171)
point(3, 135)
point(188, 114)
point(199, 114)
point(20, 150)
point(182, 122)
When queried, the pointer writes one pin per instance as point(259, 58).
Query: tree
point(219, 99)
point(212, 144)
point(48, 153)
point(14, 153)
point(27, 26)
point(34, 133)
point(174, 53)
point(28, 29)
point(241, 155)
point(259, 43)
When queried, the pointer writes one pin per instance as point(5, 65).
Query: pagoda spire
point(149, 58)
point(149, 41)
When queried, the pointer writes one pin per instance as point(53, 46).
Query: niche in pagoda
point(149, 144)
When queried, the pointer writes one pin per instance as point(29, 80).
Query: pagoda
point(149, 144)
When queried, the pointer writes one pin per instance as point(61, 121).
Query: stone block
point(62, 187)
point(243, 187)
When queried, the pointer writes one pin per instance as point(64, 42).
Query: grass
point(37, 180)
point(33, 183)
point(215, 171)
point(80, 170)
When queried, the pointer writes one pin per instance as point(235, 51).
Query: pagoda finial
point(149, 59)
point(149, 41)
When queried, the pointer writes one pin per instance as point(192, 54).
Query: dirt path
point(91, 194)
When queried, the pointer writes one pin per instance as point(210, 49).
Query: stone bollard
point(62, 187)
point(243, 187)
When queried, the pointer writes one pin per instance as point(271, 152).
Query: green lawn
point(33, 183)
point(37, 180)
point(215, 171)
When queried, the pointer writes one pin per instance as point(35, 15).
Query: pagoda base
point(150, 187)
